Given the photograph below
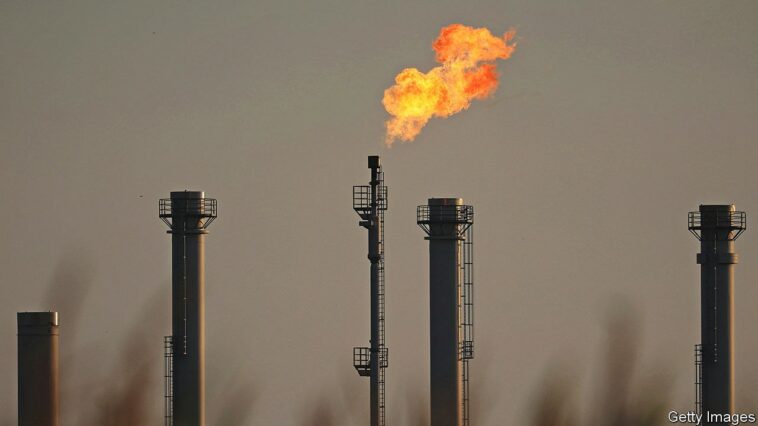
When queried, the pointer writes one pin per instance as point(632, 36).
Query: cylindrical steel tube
point(717, 259)
point(188, 307)
point(446, 380)
point(38, 403)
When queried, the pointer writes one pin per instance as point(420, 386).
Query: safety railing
point(446, 214)
point(362, 198)
point(205, 209)
point(724, 220)
point(362, 359)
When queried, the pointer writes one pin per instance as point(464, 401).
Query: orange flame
point(467, 72)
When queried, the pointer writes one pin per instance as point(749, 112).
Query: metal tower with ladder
point(370, 202)
point(716, 227)
point(188, 215)
point(448, 224)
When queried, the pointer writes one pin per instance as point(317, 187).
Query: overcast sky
point(612, 121)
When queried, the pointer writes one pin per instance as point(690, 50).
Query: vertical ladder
point(168, 380)
point(381, 199)
point(699, 379)
point(467, 318)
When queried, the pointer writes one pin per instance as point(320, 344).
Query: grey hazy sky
point(613, 119)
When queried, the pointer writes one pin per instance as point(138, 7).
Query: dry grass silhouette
point(621, 400)
point(124, 395)
point(124, 399)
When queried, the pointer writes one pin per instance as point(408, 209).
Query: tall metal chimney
point(188, 214)
point(716, 226)
point(448, 225)
point(38, 403)
point(370, 202)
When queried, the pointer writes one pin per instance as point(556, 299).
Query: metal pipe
point(717, 226)
point(38, 401)
point(188, 214)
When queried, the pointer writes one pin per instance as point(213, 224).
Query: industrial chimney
point(38, 403)
point(448, 225)
point(370, 202)
point(716, 226)
point(188, 214)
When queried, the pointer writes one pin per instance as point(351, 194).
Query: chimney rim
point(187, 195)
point(37, 318)
point(445, 201)
point(717, 207)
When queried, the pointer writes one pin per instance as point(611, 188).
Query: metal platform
point(362, 199)
point(450, 214)
point(206, 209)
point(362, 360)
point(720, 219)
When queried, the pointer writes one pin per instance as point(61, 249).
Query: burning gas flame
point(467, 72)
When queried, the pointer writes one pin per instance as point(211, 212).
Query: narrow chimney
point(716, 226)
point(447, 223)
point(188, 214)
point(38, 403)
